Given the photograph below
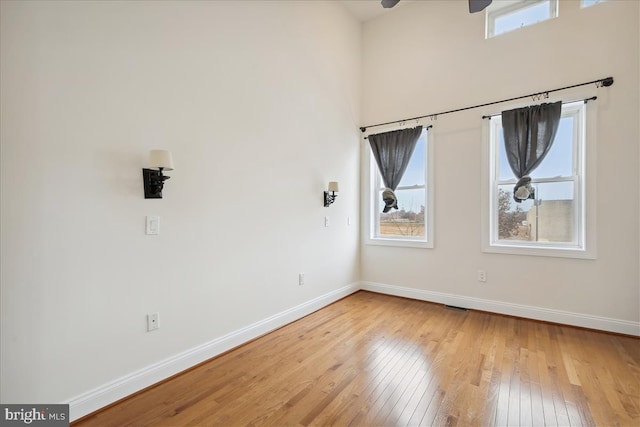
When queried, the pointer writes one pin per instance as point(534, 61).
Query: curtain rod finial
point(363, 129)
point(607, 82)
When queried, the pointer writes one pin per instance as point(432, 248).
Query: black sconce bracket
point(329, 198)
point(153, 183)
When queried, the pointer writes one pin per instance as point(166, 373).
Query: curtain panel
point(528, 135)
point(392, 151)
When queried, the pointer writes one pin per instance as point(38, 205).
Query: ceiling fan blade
point(389, 3)
point(478, 5)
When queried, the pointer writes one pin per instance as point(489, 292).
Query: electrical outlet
point(153, 321)
point(482, 276)
point(300, 279)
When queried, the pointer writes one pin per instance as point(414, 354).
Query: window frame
point(500, 9)
point(373, 202)
point(583, 176)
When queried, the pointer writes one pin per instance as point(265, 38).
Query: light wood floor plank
point(376, 360)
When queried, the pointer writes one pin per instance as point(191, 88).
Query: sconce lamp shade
point(330, 195)
point(161, 159)
point(153, 178)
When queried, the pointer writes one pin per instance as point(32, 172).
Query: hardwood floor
point(376, 360)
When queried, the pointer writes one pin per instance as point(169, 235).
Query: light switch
point(153, 225)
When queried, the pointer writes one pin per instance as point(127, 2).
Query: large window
point(410, 224)
point(554, 222)
point(509, 15)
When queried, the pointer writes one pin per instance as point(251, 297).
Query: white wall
point(431, 57)
point(259, 103)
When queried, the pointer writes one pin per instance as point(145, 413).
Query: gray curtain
point(528, 136)
point(392, 151)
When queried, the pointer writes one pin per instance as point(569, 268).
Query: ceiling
point(365, 10)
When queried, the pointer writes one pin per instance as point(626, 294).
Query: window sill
point(540, 251)
point(423, 244)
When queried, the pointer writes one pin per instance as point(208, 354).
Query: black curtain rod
point(593, 98)
point(423, 128)
point(606, 82)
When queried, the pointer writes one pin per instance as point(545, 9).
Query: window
point(587, 3)
point(554, 222)
point(505, 16)
point(409, 225)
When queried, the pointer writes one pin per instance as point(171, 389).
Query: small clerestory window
point(509, 15)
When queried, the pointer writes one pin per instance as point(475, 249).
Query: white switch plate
point(301, 279)
point(153, 225)
point(326, 221)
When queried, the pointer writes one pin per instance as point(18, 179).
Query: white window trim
point(493, 13)
point(587, 188)
point(371, 211)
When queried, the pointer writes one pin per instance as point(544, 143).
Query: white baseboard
point(122, 387)
point(518, 310)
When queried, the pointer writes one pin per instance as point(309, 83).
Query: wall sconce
point(330, 198)
point(153, 179)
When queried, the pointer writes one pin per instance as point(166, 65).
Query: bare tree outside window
point(510, 222)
